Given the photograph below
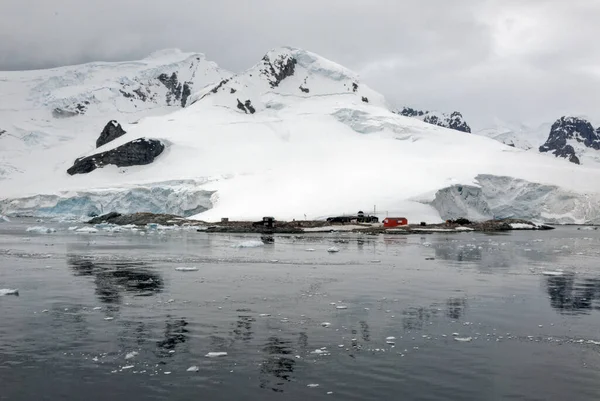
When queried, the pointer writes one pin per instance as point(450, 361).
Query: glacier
point(295, 136)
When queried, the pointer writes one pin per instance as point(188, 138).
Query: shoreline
point(315, 226)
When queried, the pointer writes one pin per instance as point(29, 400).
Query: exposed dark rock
point(135, 153)
point(216, 88)
point(246, 106)
point(249, 107)
point(175, 88)
point(142, 219)
point(241, 106)
point(453, 121)
point(2, 131)
point(232, 91)
point(141, 94)
point(303, 89)
point(111, 131)
point(364, 99)
point(277, 70)
point(185, 93)
point(570, 128)
point(354, 86)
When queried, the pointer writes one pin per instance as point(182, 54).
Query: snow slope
point(48, 115)
point(299, 136)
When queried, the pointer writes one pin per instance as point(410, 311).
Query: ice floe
point(40, 230)
point(215, 354)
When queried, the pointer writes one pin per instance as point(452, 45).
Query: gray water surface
point(107, 316)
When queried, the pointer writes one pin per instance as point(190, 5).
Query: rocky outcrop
point(176, 91)
point(139, 152)
point(111, 131)
point(142, 219)
point(278, 69)
point(246, 107)
point(566, 132)
point(453, 121)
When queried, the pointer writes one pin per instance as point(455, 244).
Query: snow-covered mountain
point(295, 135)
point(571, 138)
point(453, 120)
point(65, 107)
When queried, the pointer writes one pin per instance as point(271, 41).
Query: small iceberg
point(333, 249)
point(193, 369)
point(215, 354)
point(325, 324)
point(87, 230)
point(463, 339)
point(40, 230)
point(248, 244)
point(186, 269)
point(341, 307)
point(8, 291)
point(131, 355)
point(4, 219)
point(312, 385)
point(552, 273)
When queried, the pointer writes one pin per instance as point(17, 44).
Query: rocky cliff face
point(111, 131)
point(135, 153)
point(453, 121)
point(569, 133)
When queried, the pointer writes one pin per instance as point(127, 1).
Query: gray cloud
point(518, 60)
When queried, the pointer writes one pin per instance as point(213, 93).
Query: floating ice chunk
point(193, 369)
point(325, 324)
point(8, 291)
point(131, 355)
point(128, 367)
point(167, 373)
point(98, 308)
point(86, 230)
point(215, 354)
point(248, 244)
point(40, 230)
point(73, 228)
point(463, 339)
point(552, 273)
point(109, 318)
point(310, 250)
point(264, 315)
point(186, 269)
point(329, 392)
point(593, 342)
point(4, 219)
point(390, 339)
point(333, 249)
point(312, 385)
point(322, 351)
point(341, 307)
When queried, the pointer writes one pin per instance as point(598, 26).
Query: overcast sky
point(517, 60)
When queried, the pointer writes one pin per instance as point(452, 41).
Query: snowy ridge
point(297, 136)
point(453, 120)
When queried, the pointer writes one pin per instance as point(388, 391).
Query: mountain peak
point(453, 121)
point(291, 73)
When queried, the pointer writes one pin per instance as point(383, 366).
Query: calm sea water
point(474, 316)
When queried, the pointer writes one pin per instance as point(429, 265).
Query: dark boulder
point(139, 152)
point(111, 131)
point(574, 129)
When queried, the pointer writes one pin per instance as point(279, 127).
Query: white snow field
point(294, 136)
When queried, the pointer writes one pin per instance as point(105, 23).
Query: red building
point(395, 221)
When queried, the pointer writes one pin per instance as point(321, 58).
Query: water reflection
point(175, 333)
point(278, 364)
point(243, 328)
point(460, 253)
point(569, 296)
point(115, 278)
point(455, 308)
point(415, 318)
